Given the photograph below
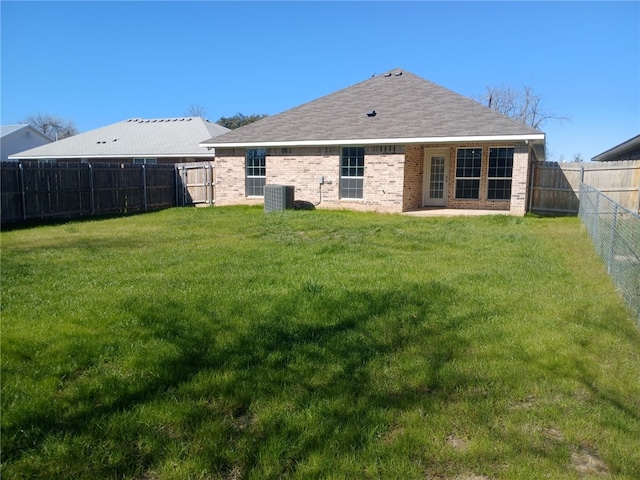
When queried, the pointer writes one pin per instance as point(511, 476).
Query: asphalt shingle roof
point(136, 137)
point(629, 147)
point(406, 107)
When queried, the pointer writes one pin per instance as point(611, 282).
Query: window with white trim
point(500, 173)
point(468, 167)
point(256, 172)
point(145, 161)
point(352, 172)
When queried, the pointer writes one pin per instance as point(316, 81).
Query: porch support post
point(519, 180)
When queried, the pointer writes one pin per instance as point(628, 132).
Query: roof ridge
point(160, 120)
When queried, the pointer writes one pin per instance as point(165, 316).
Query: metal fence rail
point(615, 232)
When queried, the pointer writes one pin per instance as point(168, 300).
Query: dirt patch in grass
point(242, 422)
point(457, 443)
point(463, 476)
point(553, 434)
point(470, 476)
point(587, 462)
point(236, 473)
point(393, 434)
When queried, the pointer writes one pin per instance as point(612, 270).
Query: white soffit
point(378, 141)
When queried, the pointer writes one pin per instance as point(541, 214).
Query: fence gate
point(195, 184)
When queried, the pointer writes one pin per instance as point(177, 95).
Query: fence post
point(144, 186)
point(178, 186)
point(23, 192)
point(596, 229)
point(79, 180)
point(581, 207)
point(92, 190)
point(175, 182)
point(207, 182)
point(210, 187)
point(614, 226)
point(580, 187)
point(531, 183)
point(184, 182)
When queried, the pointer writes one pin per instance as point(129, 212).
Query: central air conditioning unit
point(278, 197)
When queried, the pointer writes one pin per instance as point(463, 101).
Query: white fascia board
point(629, 144)
point(106, 155)
point(380, 141)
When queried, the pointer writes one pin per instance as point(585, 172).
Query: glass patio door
point(436, 170)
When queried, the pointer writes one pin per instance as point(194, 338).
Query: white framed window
point(256, 172)
point(468, 168)
point(145, 161)
point(500, 173)
point(352, 172)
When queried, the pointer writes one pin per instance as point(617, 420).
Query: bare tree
point(195, 110)
point(524, 105)
point(52, 126)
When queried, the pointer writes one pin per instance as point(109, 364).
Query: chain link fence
point(615, 232)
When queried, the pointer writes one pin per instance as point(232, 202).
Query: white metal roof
point(135, 137)
point(6, 130)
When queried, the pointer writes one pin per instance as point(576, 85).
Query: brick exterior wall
point(520, 180)
point(230, 177)
point(413, 178)
point(301, 167)
point(393, 182)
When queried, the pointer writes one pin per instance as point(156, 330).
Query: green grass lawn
point(226, 343)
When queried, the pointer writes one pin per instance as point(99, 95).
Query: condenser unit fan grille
point(278, 197)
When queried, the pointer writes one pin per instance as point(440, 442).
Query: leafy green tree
point(240, 120)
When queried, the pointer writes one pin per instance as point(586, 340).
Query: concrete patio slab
point(453, 212)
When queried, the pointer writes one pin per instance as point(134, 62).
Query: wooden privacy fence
point(32, 190)
point(48, 190)
point(555, 186)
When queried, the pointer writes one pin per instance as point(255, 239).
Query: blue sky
point(98, 63)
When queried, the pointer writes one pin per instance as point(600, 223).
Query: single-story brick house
point(136, 140)
point(393, 143)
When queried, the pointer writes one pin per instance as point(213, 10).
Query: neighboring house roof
point(14, 138)
point(7, 130)
point(629, 150)
point(408, 109)
point(136, 137)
